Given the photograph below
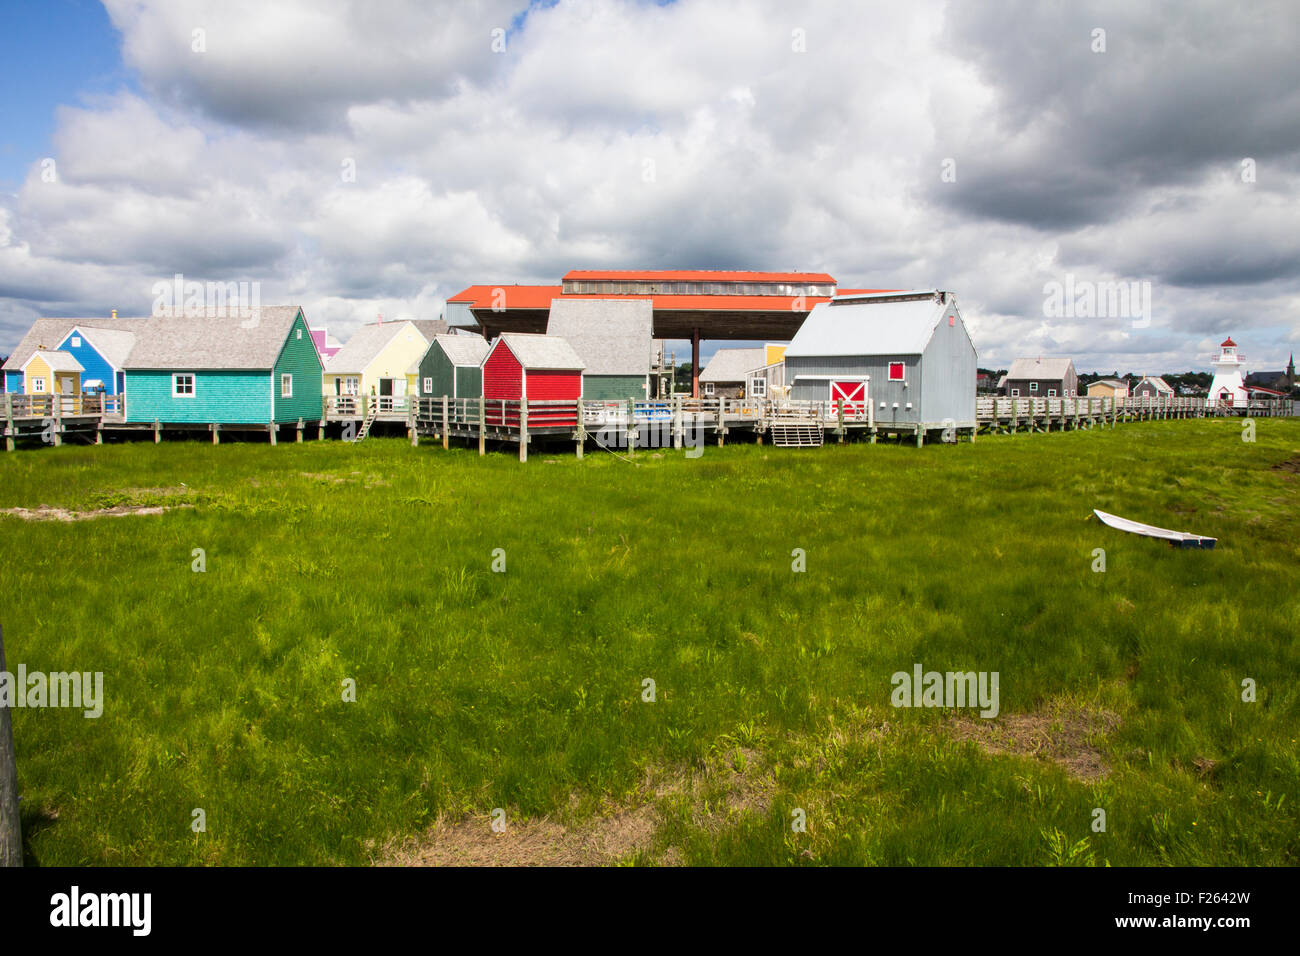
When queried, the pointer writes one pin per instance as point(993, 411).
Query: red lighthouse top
point(1228, 343)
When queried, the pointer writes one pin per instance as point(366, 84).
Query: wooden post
point(216, 433)
point(581, 439)
point(677, 421)
point(299, 438)
point(445, 423)
point(11, 834)
point(9, 421)
point(482, 424)
point(839, 420)
point(157, 431)
point(920, 436)
point(56, 411)
point(630, 429)
point(523, 429)
point(271, 430)
point(722, 428)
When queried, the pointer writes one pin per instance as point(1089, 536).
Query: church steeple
point(1290, 372)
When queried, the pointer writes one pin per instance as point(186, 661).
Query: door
point(853, 395)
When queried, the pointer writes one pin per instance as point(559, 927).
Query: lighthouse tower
point(1227, 390)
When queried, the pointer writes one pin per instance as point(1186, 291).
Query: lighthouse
point(1227, 390)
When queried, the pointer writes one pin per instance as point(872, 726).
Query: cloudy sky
point(358, 158)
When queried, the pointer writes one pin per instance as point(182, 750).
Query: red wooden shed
point(524, 367)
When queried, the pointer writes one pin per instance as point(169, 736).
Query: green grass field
point(523, 690)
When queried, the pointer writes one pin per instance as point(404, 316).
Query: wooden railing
point(390, 407)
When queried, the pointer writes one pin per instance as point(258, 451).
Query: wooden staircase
point(369, 420)
point(798, 434)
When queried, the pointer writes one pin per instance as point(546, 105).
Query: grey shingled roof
point(213, 340)
point(733, 365)
point(1029, 368)
point(429, 327)
point(58, 361)
point(366, 343)
point(611, 336)
point(49, 333)
point(542, 351)
point(464, 349)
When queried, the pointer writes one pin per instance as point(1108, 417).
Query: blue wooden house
point(259, 369)
point(99, 345)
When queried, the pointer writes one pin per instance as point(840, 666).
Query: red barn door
point(852, 394)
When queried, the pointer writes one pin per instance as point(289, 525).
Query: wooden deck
point(679, 422)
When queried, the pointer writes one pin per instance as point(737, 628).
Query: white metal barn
point(906, 353)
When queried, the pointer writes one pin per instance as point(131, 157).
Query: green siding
point(227, 397)
point(469, 382)
point(437, 366)
point(607, 388)
point(300, 359)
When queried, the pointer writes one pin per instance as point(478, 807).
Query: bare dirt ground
point(1068, 736)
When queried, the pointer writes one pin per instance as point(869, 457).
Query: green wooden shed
point(452, 366)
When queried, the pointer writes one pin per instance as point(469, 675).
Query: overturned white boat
point(1177, 539)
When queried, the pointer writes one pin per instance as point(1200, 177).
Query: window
point(758, 387)
point(895, 371)
point(428, 386)
point(183, 384)
point(38, 384)
point(1051, 393)
point(286, 385)
point(351, 385)
point(1033, 386)
point(708, 389)
point(300, 334)
point(1015, 393)
point(76, 341)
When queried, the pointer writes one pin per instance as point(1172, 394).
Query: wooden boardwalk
point(679, 422)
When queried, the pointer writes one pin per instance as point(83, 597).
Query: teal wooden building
point(259, 368)
point(452, 366)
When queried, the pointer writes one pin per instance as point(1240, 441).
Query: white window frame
point(299, 335)
point(708, 389)
point(286, 379)
point(351, 385)
point(76, 341)
point(428, 385)
point(1051, 393)
point(1033, 387)
point(176, 383)
point(1015, 393)
point(902, 372)
point(758, 387)
point(38, 385)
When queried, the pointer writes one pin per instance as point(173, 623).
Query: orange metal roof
point(517, 296)
point(540, 296)
point(699, 275)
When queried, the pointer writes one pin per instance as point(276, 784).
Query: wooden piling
point(482, 425)
point(216, 433)
point(271, 431)
point(446, 423)
point(299, 438)
point(581, 438)
point(157, 431)
point(9, 422)
point(11, 834)
point(523, 429)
